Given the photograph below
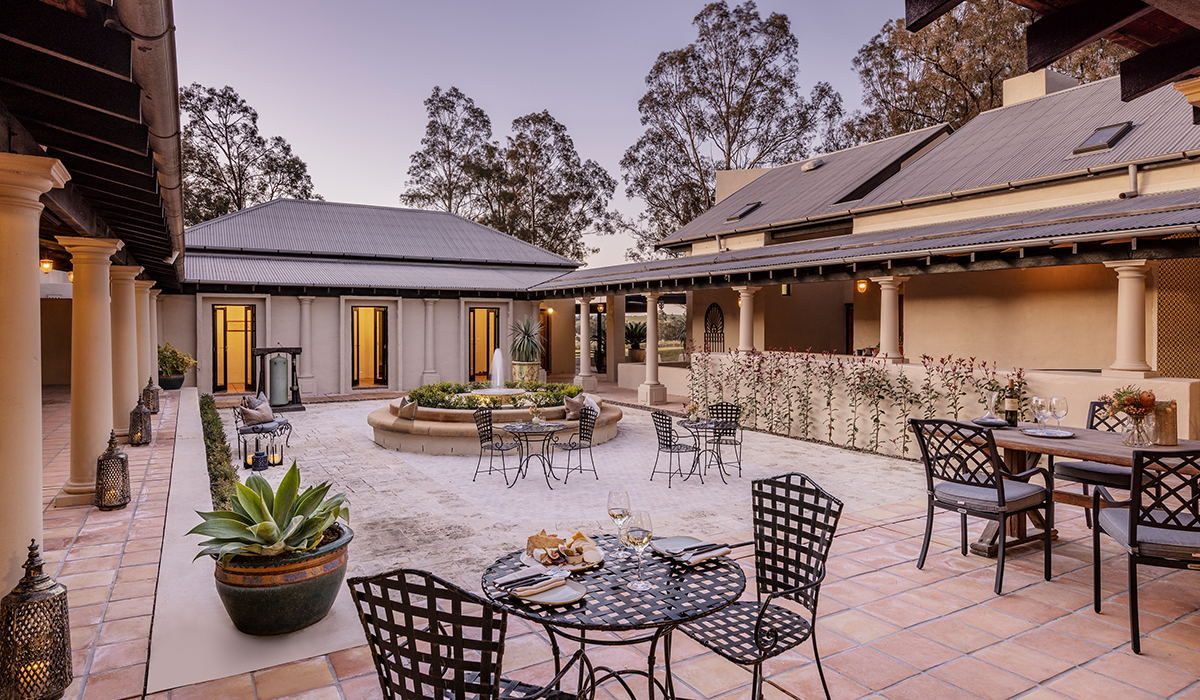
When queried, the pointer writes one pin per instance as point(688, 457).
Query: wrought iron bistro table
point(526, 434)
point(707, 431)
point(680, 594)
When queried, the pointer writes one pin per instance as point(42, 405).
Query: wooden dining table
point(1022, 451)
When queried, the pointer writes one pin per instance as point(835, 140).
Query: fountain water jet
point(497, 388)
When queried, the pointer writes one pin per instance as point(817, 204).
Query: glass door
point(485, 338)
point(368, 351)
point(233, 348)
point(544, 319)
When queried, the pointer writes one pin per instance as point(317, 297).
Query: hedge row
point(222, 472)
point(457, 395)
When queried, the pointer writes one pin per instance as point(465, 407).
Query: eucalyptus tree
point(443, 173)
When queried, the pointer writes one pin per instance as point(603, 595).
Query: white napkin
point(702, 556)
point(527, 571)
point(690, 547)
point(526, 591)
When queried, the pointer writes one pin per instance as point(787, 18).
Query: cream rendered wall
point(412, 343)
point(177, 326)
point(285, 321)
point(562, 335)
point(866, 317)
point(326, 350)
point(814, 316)
point(56, 341)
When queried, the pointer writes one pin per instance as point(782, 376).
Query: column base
point(66, 500)
point(587, 381)
point(652, 394)
point(308, 386)
point(890, 359)
point(1129, 373)
point(430, 378)
point(122, 434)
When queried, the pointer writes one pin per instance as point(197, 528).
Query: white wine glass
point(618, 511)
point(638, 532)
point(1038, 406)
point(1058, 409)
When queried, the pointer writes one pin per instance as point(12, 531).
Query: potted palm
point(172, 366)
point(635, 335)
point(526, 349)
point(280, 555)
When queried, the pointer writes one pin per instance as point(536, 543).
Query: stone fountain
point(497, 388)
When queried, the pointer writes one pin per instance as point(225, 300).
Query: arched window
point(714, 329)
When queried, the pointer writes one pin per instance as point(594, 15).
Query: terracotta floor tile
point(131, 607)
point(90, 615)
point(1083, 684)
point(350, 663)
point(329, 692)
point(966, 588)
point(1174, 656)
point(1062, 646)
point(135, 589)
point(936, 601)
point(1086, 626)
point(915, 650)
point(1184, 634)
point(149, 556)
point(86, 597)
point(83, 637)
point(88, 580)
point(230, 688)
point(925, 688)
point(143, 545)
point(125, 630)
point(288, 679)
point(844, 567)
point(83, 566)
point(127, 574)
point(526, 650)
point(1058, 595)
point(877, 557)
point(806, 683)
point(956, 635)
point(1023, 661)
point(886, 581)
point(1142, 673)
point(711, 675)
point(857, 626)
point(115, 685)
point(870, 668)
point(898, 612)
point(1025, 608)
point(110, 656)
point(850, 593)
point(362, 688)
point(982, 679)
point(992, 620)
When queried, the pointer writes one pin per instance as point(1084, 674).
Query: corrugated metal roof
point(788, 192)
point(1036, 138)
point(331, 228)
point(1034, 227)
point(226, 268)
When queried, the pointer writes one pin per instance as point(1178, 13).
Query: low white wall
point(631, 375)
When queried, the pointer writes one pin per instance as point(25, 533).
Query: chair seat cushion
point(260, 428)
point(730, 631)
point(1096, 473)
point(679, 447)
point(502, 446)
point(573, 445)
point(1018, 495)
point(1158, 542)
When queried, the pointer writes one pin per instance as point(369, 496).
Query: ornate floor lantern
point(139, 424)
point(35, 646)
point(150, 396)
point(275, 451)
point(112, 477)
point(259, 462)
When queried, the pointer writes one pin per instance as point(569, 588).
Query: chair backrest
point(428, 637)
point(483, 423)
point(960, 453)
point(1098, 420)
point(1166, 491)
point(794, 522)
point(587, 424)
point(662, 427)
point(725, 411)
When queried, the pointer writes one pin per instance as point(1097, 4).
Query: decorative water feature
point(497, 388)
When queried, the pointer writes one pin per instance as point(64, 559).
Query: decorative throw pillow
point(573, 405)
point(256, 416)
point(590, 402)
point(254, 401)
point(408, 409)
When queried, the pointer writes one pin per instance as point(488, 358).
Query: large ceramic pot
point(170, 382)
point(637, 355)
point(526, 371)
point(277, 595)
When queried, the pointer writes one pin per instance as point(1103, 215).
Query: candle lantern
point(259, 461)
point(139, 424)
point(35, 649)
point(1166, 422)
point(275, 451)
point(112, 477)
point(150, 396)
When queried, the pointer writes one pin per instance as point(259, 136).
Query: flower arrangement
point(535, 413)
point(1135, 403)
point(692, 409)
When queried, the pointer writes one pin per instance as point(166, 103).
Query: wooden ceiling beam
point(1060, 34)
point(1159, 66)
point(919, 14)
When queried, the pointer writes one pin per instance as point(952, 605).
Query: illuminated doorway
point(233, 348)
point(368, 336)
point(485, 338)
point(544, 319)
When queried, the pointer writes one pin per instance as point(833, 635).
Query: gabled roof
point(1035, 138)
point(294, 226)
point(789, 193)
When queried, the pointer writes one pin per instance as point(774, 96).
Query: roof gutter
point(151, 23)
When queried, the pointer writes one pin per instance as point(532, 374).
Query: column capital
point(90, 250)
point(429, 301)
point(154, 294)
point(306, 300)
point(30, 176)
point(746, 291)
point(889, 281)
point(143, 285)
point(584, 300)
point(653, 296)
point(1134, 266)
point(124, 273)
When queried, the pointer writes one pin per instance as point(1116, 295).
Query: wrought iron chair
point(277, 433)
point(670, 443)
point(431, 639)
point(1095, 473)
point(579, 441)
point(726, 411)
point(965, 474)
point(794, 522)
point(1158, 526)
point(491, 444)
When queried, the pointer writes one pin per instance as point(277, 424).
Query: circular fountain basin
point(497, 391)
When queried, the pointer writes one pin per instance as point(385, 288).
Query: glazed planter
point(170, 382)
point(277, 595)
point(525, 371)
point(637, 355)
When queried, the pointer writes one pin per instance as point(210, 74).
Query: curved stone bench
point(444, 431)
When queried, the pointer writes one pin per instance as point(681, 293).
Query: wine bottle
point(1012, 404)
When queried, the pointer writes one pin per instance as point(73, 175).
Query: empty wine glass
point(1058, 408)
point(1038, 406)
point(638, 534)
point(618, 510)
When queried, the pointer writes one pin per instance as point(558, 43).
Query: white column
point(124, 345)
point(308, 384)
point(91, 364)
point(650, 392)
point(889, 318)
point(1131, 319)
point(23, 179)
point(141, 293)
point(746, 317)
point(585, 378)
point(154, 335)
point(430, 375)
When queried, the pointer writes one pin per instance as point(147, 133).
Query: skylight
point(1104, 138)
point(743, 211)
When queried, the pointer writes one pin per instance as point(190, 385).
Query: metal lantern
point(139, 424)
point(150, 396)
point(112, 477)
point(275, 451)
point(35, 649)
point(259, 461)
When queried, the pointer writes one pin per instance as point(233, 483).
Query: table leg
point(1019, 526)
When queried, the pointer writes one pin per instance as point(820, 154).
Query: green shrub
point(222, 472)
point(457, 395)
point(172, 362)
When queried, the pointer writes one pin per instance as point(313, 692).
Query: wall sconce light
point(862, 286)
point(112, 477)
point(739, 301)
point(550, 310)
point(46, 264)
point(600, 308)
point(71, 277)
point(785, 290)
point(35, 648)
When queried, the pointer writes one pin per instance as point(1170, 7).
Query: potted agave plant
point(526, 349)
point(280, 555)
